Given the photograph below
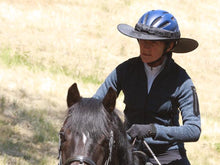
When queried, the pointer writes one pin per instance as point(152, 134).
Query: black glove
point(141, 131)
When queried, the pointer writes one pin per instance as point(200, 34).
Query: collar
point(157, 68)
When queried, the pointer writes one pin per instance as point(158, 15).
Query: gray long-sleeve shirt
point(172, 91)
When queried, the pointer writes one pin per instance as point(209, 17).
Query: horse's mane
point(89, 115)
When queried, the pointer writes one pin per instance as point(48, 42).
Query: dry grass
point(51, 44)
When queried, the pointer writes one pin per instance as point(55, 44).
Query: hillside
point(47, 45)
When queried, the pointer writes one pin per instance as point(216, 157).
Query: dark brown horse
point(92, 133)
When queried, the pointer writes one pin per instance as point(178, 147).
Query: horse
point(94, 134)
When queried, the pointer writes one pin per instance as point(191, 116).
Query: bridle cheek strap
point(111, 143)
point(59, 152)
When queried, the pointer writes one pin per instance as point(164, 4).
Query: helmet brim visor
point(183, 45)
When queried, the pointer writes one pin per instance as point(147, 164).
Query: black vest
point(159, 106)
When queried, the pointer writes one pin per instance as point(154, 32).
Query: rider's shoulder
point(131, 61)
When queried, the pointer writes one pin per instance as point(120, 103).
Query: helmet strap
point(161, 58)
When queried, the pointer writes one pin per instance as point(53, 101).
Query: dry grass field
point(46, 45)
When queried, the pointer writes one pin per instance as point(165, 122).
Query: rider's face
point(150, 51)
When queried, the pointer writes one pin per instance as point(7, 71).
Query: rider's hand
point(141, 131)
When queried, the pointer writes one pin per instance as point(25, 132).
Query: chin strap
point(167, 44)
point(154, 62)
point(160, 58)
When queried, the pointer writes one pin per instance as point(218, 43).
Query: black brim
point(184, 45)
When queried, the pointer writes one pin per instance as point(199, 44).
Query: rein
point(149, 149)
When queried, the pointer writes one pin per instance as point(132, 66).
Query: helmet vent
point(165, 12)
point(155, 21)
point(164, 24)
point(145, 19)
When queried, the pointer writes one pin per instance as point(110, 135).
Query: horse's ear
point(73, 95)
point(109, 100)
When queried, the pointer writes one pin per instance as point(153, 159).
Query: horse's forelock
point(89, 116)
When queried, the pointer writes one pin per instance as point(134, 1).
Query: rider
point(156, 89)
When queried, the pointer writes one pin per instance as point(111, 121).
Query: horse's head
point(92, 133)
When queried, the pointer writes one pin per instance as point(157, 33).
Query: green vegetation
point(217, 146)
point(46, 45)
point(14, 141)
point(2, 104)
point(43, 129)
point(13, 59)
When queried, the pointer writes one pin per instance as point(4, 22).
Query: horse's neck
point(127, 158)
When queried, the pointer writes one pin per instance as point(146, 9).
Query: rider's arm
point(110, 81)
point(188, 105)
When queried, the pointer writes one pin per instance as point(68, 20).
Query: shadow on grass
point(26, 134)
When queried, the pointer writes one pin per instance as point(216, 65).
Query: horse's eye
point(62, 137)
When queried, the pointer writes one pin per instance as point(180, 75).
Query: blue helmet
point(159, 25)
point(159, 22)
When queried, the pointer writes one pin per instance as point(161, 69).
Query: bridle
point(80, 159)
point(83, 159)
point(77, 158)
